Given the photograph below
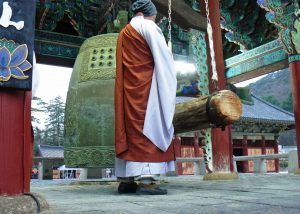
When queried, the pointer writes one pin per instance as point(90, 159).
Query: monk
point(145, 93)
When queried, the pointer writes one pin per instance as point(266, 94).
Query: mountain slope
point(275, 88)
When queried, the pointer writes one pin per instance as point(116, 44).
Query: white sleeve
point(164, 68)
point(160, 111)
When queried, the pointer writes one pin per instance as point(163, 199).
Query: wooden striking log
point(216, 110)
point(182, 14)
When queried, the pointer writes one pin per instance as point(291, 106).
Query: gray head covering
point(145, 6)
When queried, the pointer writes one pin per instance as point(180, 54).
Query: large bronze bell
point(89, 116)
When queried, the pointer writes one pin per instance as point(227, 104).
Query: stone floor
point(268, 193)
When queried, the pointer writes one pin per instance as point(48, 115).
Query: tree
point(38, 109)
point(38, 106)
point(288, 138)
point(271, 99)
point(54, 133)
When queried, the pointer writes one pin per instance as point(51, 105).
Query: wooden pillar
point(177, 144)
point(245, 153)
point(295, 76)
point(221, 139)
point(263, 145)
point(196, 145)
point(276, 152)
point(15, 142)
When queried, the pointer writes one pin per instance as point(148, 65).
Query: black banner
point(17, 24)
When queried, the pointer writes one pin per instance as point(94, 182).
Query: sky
point(53, 81)
point(247, 82)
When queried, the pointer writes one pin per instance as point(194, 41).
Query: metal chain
point(211, 47)
point(170, 26)
point(170, 20)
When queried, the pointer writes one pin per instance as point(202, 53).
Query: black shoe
point(125, 187)
point(151, 191)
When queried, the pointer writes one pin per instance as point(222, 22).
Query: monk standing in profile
point(145, 94)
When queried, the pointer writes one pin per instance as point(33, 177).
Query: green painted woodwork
point(255, 59)
point(296, 32)
point(194, 4)
point(260, 62)
point(283, 14)
point(89, 116)
point(254, 53)
point(86, 17)
point(57, 45)
point(294, 58)
point(245, 24)
point(198, 53)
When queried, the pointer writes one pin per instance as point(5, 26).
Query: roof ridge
point(274, 106)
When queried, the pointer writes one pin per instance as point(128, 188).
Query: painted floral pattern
point(13, 65)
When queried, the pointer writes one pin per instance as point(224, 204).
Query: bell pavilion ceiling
point(62, 25)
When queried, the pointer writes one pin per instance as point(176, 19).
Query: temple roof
point(47, 151)
point(262, 110)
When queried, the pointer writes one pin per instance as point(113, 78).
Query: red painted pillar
point(276, 152)
point(177, 143)
point(196, 145)
point(15, 142)
point(263, 145)
point(245, 153)
point(295, 76)
point(221, 140)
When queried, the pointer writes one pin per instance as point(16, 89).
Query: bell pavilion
point(225, 41)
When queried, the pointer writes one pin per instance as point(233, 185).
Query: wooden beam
point(258, 72)
point(219, 109)
point(182, 14)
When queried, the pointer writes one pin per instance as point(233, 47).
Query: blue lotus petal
point(17, 73)
point(25, 66)
point(4, 72)
point(4, 79)
point(4, 57)
point(19, 55)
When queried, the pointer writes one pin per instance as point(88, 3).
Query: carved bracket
point(284, 15)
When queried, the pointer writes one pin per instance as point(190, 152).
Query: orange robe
point(133, 82)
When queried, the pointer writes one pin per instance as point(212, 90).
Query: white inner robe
point(158, 125)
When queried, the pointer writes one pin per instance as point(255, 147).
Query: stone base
point(297, 171)
point(28, 203)
point(220, 176)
